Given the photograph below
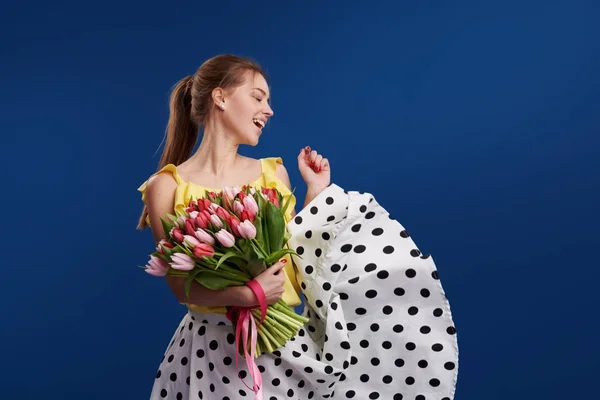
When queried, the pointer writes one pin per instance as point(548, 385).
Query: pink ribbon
point(245, 324)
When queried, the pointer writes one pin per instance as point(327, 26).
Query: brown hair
point(191, 103)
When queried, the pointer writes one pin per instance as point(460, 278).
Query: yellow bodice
point(185, 191)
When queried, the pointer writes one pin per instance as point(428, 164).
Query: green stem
point(284, 319)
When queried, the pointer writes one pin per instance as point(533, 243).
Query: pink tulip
point(250, 204)
point(204, 236)
point(238, 208)
point(181, 221)
point(203, 250)
point(160, 247)
point(215, 220)
point(221, 212)
point(182, 262)
point(157, 267)
point(177, 234)
point(228, 193)
point(247, 230)
point(190, 241)
point(212, 209)
point(194, 214)
point(225, 238)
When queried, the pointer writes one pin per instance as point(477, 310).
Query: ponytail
point(182, 132)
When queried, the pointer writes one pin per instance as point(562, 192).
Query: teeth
point(259, 122)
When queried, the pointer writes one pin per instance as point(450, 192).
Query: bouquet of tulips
point(227, 239)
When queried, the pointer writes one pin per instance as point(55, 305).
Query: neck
point(217, 153)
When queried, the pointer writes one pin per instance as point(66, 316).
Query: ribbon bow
point(245, 324)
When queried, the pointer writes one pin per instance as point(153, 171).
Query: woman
point(228, 97)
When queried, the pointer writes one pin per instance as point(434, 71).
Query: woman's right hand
point(271, 280)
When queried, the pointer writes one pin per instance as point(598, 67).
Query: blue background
point(474, 123)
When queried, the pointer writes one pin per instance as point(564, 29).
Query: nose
point(268, 110)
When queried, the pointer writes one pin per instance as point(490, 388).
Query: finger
point(325, 164)
point(275, 268)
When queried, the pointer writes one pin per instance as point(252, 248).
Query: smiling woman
point(229, 97)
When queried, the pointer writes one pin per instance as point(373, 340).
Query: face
point(247, 109)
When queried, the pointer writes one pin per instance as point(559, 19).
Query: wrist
point(247, 296)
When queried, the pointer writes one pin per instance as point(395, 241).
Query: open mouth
point(259, 123)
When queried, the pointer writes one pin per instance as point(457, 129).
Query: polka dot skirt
point(380, 325)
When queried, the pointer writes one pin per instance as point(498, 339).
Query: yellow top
point(185, 191)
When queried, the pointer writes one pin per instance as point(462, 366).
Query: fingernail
point(284, 261)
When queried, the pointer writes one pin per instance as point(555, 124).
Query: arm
point(160, 194)
point(282, 174)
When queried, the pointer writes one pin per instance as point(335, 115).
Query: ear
point(218, 96)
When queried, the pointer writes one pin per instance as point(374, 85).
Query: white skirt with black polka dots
point(380, 324)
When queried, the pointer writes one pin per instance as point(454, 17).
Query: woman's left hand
point(314, 169)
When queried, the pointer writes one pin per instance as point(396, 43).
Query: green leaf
point(256, 266)
point(188, 282)
point(275, 226)
point(273, 258)
point(227, 255)
point(166, 227)
point(260, 234)
point(172, 217)
point(214, 280)
point(287, 202)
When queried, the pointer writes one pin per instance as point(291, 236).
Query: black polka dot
point(308, 234)
point(351, 326)
point(356, 228)
point(363, 208)
point(350, 394)
point(377, 232)
point(364, 343)
point(375, 361)
point(425, 293)
point(163, 393)
point(371, 293)
point(425, 329)
point(420, 397)
point(353, 280)
point(336, 268)
point(410, 346)
point(415, 253)
point(435, 275)
point(158, 374)
point(387, 379)
point(182, 342)
point(423, 363)
point(374, 395)
point(364, 378)
point(437, 347)
point(413, 310)
point(386, 345)
point(309, 269)
point(399, 292)
point(399, 362)
point(179, 396)
point(360, 311)
point(374, 327)
point(434, 382)
point(345, 345)
point(449, 366)
point(370, 267)
point(227, 361)
point(202, 330)
point(318, 252)
point(225, 380)
point(398, 328)
point(214, 345)
point(329, 200)
point(343, 296)
point(451, 330)
point(184, 361)
point(325, 236)
point(326, 286)
point(438, 312)
point(410, 380)
point(230, 338)
point(346, 248)
point(388, 249)
point(411, 273)
point(298, 219)
point(359, 249)
point(387, 310)
point(369, 215)
point(199, 374)
point(383, 274)
point(398, 396)
point(300, 250)
point(171, 358)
